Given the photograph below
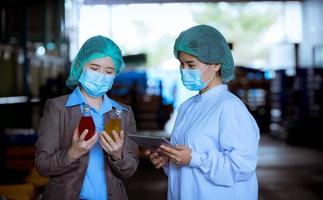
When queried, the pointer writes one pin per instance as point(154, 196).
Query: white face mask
point(95, 83)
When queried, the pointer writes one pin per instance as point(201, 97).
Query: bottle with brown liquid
point(87, 122)
point(113, 123)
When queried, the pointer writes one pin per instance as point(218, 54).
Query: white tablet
point(149, 142)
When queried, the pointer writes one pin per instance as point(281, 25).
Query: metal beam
point(110, 2)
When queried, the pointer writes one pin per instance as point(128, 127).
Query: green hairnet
point(209, 46)
point(95, 47)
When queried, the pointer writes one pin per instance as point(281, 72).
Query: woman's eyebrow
point(105, 67)
point(95, 64)
point(108, 67)
point(189, 61)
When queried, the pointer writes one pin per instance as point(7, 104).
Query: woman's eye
point(109, 71)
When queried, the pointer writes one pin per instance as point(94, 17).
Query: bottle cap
point(117, 112)
point(86, 108)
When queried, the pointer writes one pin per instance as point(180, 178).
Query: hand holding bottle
point(114, 122)
point(113, 147)
point(79, 146)
point(87, 123)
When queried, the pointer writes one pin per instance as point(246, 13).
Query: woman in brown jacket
point(80, 168)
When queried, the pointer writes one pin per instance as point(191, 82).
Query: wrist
point(188, 161)
point(116, 157)
point(72, 155)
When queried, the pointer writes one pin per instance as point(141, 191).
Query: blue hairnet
point(95, 47)
point(209, 46)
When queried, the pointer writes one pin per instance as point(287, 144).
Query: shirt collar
point(117, 105)
point(211, 92)
point(77, 98)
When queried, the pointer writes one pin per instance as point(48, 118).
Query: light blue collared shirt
point(224, 138)
point(94, 185)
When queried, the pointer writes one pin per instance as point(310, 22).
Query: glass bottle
point(87, 122)
point(113, 123)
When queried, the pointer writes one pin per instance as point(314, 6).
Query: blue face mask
point(95, 83)
point(192, 79)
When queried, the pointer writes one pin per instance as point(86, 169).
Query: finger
point(156, 160)
point(76, 134)
point(116, 137)
point(167, 148)
point(112, 143)
point(93, 139)
point(153, 156)
point(165, 161)
point(181, 147)
point(171, 156)
point(158, 163)
point(174, 161)
point(83, 144)
point(102, 137)
point(106, 145)
point(147, 152)
point(162, 163)
point(121, 136)
point(170, 150)
point(107, 138)
point(165, 153)
point(103, 133)
point(83, 134)
point(102, 145)
point(159, 160)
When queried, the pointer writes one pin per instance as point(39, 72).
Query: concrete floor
point(289, 172)
point(284, 173)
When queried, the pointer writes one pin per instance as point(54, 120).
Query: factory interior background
point(278, 52)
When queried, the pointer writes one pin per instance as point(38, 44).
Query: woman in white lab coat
point(215, 138)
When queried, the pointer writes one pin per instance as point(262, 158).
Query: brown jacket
point(55, 137)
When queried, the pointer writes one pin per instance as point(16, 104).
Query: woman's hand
point(180, 155)
point(157, 159)
point(113, 148)
point(79, 146)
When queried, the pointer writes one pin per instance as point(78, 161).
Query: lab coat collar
point(211, 92)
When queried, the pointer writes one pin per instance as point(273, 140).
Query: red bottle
point(87, 122)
